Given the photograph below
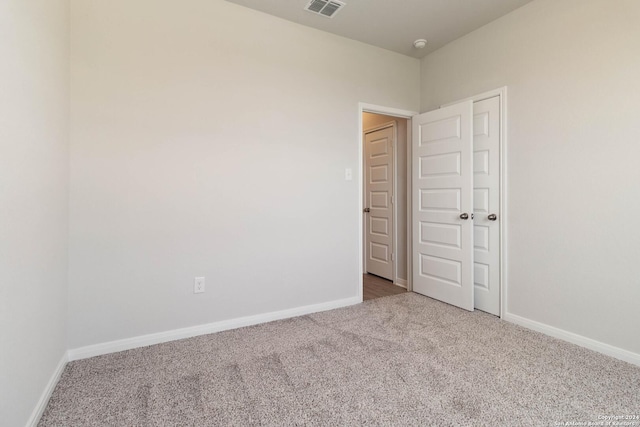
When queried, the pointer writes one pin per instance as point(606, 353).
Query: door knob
point(492, 217)
point(366, 210)
point(464, 216)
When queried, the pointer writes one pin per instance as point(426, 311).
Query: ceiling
point(395, 24)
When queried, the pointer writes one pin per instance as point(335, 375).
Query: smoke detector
point(420, 43)
point(326, 8)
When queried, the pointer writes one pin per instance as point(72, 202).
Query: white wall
point(369, 121)
point(572, 70)
point(211, 140)
point(34, 131)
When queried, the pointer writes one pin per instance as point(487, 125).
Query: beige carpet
point(400, 360)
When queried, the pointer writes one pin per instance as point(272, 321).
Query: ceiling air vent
point(326, 8)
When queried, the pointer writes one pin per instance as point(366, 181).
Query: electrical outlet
point(198, 285)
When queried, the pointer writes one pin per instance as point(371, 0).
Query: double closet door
point(455, 204)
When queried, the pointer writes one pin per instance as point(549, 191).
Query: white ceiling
point(395, 24)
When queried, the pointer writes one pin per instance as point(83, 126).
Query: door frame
point(502, 94)
point(387, 111)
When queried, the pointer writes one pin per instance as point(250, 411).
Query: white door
point(442, 200)
point(486, 204)
point(378, 202)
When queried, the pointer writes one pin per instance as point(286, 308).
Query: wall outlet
point(198, 285)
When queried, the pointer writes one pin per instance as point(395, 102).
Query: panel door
point(442, 204)
point(486, 200)
point(378, 202)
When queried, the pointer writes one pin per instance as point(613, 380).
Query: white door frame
point(387, 111)
point(502, 94)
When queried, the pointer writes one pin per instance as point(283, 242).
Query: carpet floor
point(400, 360)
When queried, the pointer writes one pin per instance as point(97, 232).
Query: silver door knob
point(492, 217)
point(464, 216)
point(366, 210)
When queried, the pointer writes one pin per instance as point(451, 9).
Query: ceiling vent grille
point(327, 8)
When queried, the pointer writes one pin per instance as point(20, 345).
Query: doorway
point(394, 113)
point(385, 138)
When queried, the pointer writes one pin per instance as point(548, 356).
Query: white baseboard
point(177, 334)
point(580, 340)
point(401, 282)
point(34, 419)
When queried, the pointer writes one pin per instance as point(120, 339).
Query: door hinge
point(392, 257)
point(391, 199)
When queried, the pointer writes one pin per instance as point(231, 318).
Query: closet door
point(442, 204)
point(486, 202)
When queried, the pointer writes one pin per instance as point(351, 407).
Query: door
point(486, 204)
point(378, 213)
point(442, 204)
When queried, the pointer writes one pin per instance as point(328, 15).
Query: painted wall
point(34, 133)
point(572, 70)
point(211, 140)
point(369, 121)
